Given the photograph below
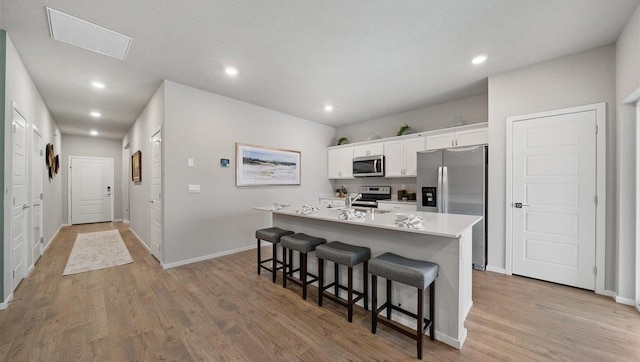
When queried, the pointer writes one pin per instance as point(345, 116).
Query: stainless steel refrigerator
point(454, 181)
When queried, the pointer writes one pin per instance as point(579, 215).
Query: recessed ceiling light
point(95, 114)
point(97, 85)
point(231, 71)
point(93, 132)
point(479, 59)
point(328, 108)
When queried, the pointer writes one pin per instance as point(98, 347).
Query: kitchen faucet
point(350, 200)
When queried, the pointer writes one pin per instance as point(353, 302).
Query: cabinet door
point(439, 141)
point(333, 163)
point(340, 163)
point(411, 148)
point(472, 137)
point(394, 159)
point(368, 150)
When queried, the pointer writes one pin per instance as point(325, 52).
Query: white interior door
point(155, 200)
point(91, 189)
point(554, 198)
point(37, 167)
point(20, 202)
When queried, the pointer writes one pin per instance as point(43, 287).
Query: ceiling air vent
point(71, 30)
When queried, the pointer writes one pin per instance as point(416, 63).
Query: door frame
point(601, 184)
point(161, 251)
point(35, 130)
point(69, 202)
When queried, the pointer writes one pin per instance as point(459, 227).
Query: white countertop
point(448, 225)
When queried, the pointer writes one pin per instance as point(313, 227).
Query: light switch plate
point(193, 189)
point(190, 162)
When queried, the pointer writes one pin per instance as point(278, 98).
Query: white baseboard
point(125, 221)
point(4, 305)
point(53, 237)
point(493, 269)
point(625, 301)
point(117, 220)
point(140, 240)
point(207, 257)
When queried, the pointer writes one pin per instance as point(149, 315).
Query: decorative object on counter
point(411, 196)
point(224, 162)
point(373, 136)
point(404, 129)
point(343, 141)
point(136, 166)
point(459, 121)
point(276, 206)
point(260, 166)
point(409, 221)
point(402, 194)
point(307, 210)
point(351, 214)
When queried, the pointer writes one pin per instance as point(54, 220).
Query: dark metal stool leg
point(366, 285)
point(303, 274)
point(259, 257)
point(350, 293)
point(320, 280)
point(284, 267)
point(388, 298)
point(336, 279)
point(274, 262)
point(432, 310)
point(419, 331)
point(374, 303)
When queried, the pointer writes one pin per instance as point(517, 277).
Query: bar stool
point(273, 236)
point(303, 244)
point(343, 254)
point(416, 273)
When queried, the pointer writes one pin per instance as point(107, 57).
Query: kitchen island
point(444, 239)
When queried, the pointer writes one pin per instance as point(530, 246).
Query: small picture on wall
point(136, 167)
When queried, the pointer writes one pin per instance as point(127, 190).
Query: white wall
point(627, 81)
point(21, 90)
point(472, 109)
point(138, 139)
point(206, 126)
point(87, 146)
point(578, 79)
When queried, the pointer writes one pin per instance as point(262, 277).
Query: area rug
point(99, 250)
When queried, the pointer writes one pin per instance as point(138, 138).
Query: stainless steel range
point(371, 195)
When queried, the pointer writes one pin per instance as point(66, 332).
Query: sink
point(370, 210)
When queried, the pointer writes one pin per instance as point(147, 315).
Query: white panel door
point(20, 201)
point(37, 167)
point(156, 194)
point(554, 188)
point(91, 189)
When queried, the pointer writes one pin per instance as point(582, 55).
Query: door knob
point(25, 206)
point(519, 205)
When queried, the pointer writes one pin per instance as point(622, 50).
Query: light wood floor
point(222, 310)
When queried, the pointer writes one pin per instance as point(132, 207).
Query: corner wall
point(3, 70)
point(627, 81)
point(206, 126)
point(87, 146)
point(574, 80)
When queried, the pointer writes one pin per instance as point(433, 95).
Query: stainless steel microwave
point(369, 166)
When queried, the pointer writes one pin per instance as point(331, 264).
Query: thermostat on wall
point(224, 162)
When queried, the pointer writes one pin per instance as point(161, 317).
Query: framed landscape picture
point(136, 167)
point(257, 166)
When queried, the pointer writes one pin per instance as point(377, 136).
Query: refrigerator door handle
point(445, 190)
point(439, 192)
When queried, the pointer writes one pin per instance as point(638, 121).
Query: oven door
point(368, 166)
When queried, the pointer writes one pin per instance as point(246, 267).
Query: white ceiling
point(368, 58)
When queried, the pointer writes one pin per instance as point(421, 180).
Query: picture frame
point(266, 166)
point(136, 167)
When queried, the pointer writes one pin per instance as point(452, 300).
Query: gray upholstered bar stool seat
point(273, 236)
point(303, 244)
point(342, 254)
point(415, 273)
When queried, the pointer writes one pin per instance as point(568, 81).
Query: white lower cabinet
point(340, 163)
point(397, 206)
point(401, 157)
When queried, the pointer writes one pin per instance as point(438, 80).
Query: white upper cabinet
point(340, 163)
point(475, 136)
point(401, 157)
point(373, 149)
